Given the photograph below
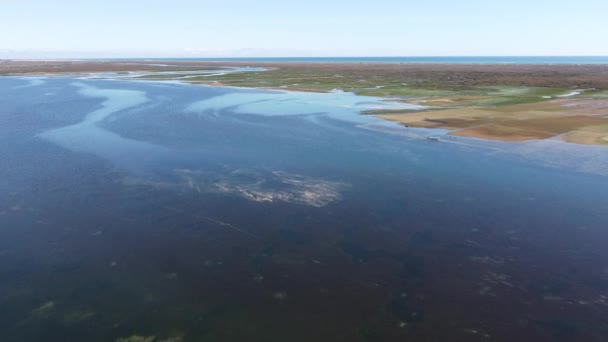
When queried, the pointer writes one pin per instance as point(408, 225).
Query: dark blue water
point(424, 59)
point(221, 214)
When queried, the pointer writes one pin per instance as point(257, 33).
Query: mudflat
point(164, 211)
point(505, 102)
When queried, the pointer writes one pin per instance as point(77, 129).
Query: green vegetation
point(504, 102)
point(378, 86)
point(596, 94)
point(509, 111)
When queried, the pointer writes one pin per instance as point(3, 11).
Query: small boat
point(432, 137)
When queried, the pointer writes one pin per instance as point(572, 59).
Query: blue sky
point(69, 28)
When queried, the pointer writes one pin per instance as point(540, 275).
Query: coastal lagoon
point(175, 212)
point(422, 59)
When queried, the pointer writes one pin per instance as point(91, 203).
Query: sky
point(282, 28)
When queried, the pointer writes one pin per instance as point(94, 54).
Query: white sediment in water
point(548, 152)
point(177, 75)
point(276, 186)
point(88, 136)
point(570, 94)
point(255, 185)
point(32, 82)
point(341, 105)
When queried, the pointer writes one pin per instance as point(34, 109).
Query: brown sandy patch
point(502, 133)
point(434, 118)
point(212, 83)
point(465, 117)
point(541, 128)
point(596, 135)
point(490, 106)
point(557, 125)
point(450, 101)
point(583, 118)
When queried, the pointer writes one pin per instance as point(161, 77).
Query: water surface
point(225, 214)
point(421, 59)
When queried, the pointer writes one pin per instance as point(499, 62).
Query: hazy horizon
point(67, 55)
point(270, 28)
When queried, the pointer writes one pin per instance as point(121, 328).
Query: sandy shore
point(583, 76)
point(507, 102)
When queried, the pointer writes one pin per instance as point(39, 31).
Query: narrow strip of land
point(497, 102)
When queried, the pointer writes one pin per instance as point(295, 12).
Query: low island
point(489, 101)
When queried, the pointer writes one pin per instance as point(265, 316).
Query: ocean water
point(427, 59)
point(197, 213)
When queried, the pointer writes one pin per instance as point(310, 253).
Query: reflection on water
point(165, 212)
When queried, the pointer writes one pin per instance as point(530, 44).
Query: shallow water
point(224, 214)
point(422, 59)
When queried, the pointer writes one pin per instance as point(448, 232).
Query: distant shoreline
point(506, 102)
point(435, 75)
point(483, 60)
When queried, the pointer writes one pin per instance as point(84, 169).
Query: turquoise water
point(428, 59)
point(223, 214)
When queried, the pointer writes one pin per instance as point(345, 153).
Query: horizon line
point(310, 57)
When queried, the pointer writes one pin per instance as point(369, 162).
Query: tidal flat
point(154, 210)
point(494, 102)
